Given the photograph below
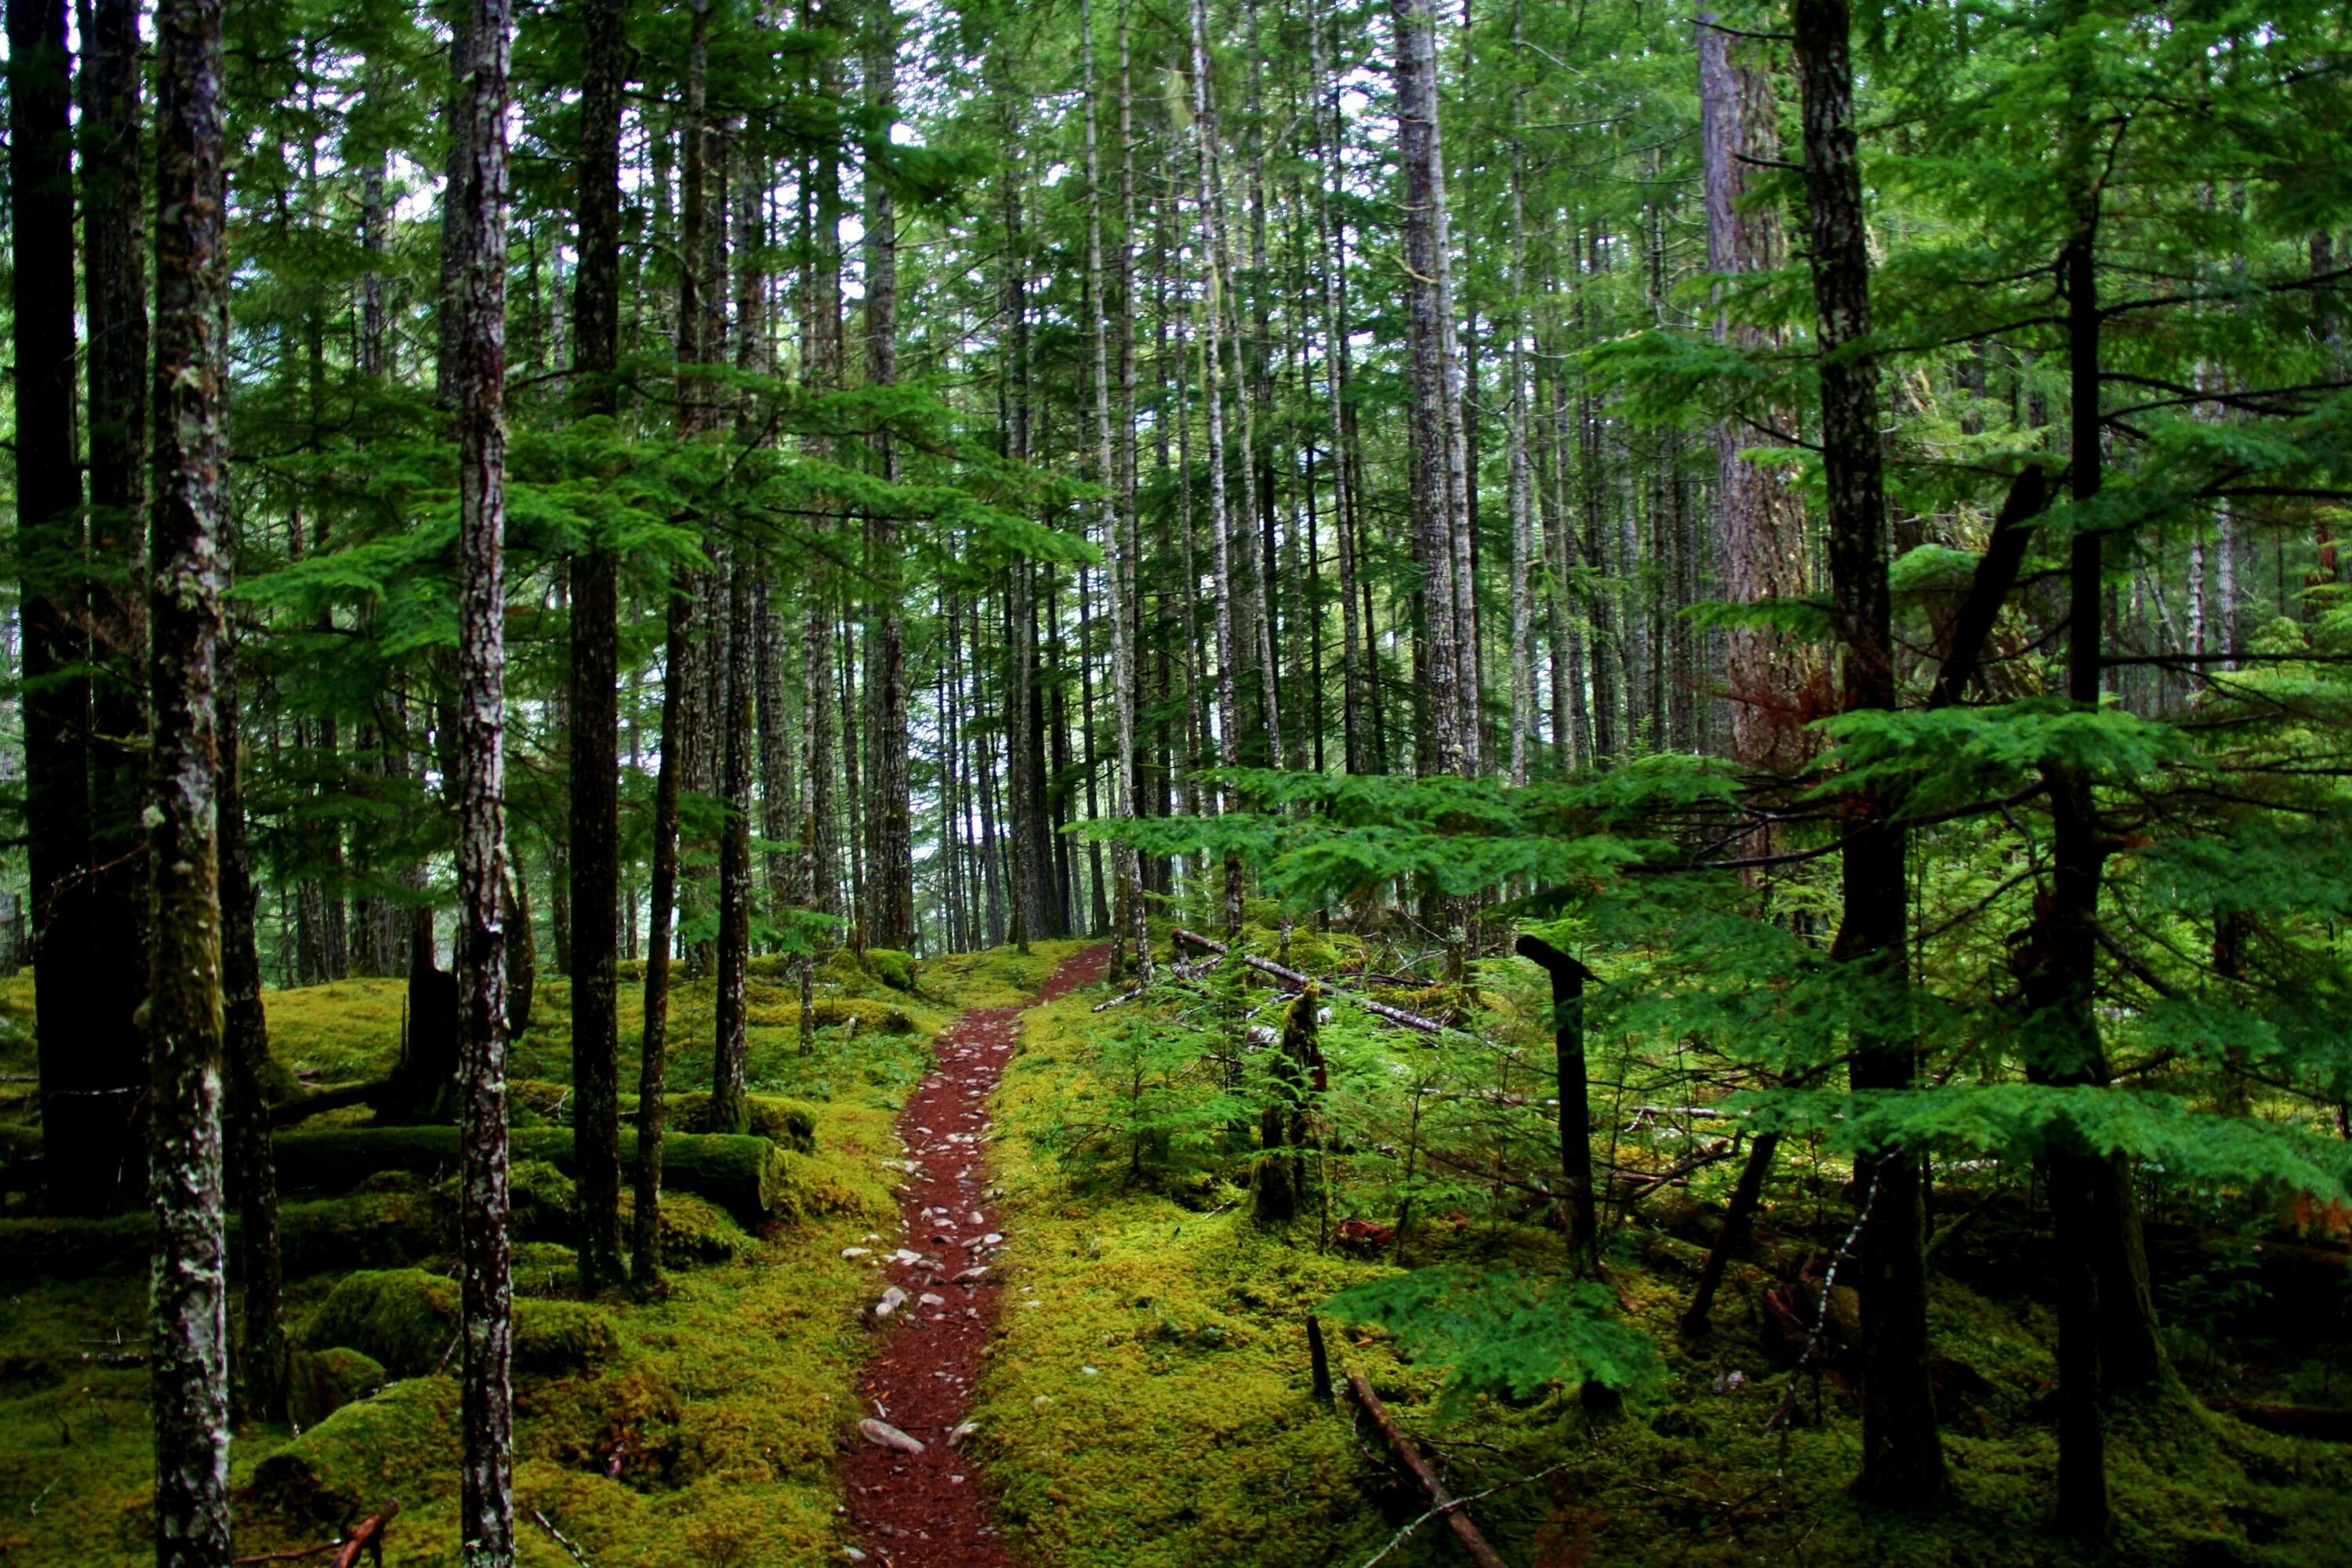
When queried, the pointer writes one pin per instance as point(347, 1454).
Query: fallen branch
point(561, 1539)
point(1398, 1539)
point(1441, 1501)
point(1184, 938)
point(368, 1538)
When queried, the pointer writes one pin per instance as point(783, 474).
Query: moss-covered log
point(748, 1177)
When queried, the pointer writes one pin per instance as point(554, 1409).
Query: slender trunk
point(595, 707)
point(245, 1032)
point(777, 785)
point(486, 1482)
point(727, 1111)
point(1212, 391)
point(890, 849)
point(188, 1293)
point(644, 1239)
point(1436, 518)
point(114, 283)
point(1903, 1460)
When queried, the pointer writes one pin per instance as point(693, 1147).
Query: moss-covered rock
point(320, 1383)
point(407, 1320)
point(366, 1453)
point(790, 1122)
point(893, 968)
point(693, 1230)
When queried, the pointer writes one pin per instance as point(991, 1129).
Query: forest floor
point(927, 1509)
point(1143, 1399)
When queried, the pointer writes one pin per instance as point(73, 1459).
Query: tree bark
point(728, 1110)
point(90, 1088)
point(188, 1295)
point(1903, 1460)
point(1759, 523)
point(645, 1240)
point(1438, 518)
point(252, 1164)
point(486, 1480)
point(891, 849)
point(595, 705)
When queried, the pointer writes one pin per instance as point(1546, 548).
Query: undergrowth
point(1148, 1400)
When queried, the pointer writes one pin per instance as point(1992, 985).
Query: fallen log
point(302, 1107)
point(1397, 1016)
point(2318, 1423)
point(750, 1177)
point(1181, 937)
point(1440, 1501)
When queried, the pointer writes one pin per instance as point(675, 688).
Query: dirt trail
point(929, 1510)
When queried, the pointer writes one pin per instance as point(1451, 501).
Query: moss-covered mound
point(789, 1123)
point(406, 1319)
point(365, 1454)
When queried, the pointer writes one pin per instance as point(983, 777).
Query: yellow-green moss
point(406, 1319)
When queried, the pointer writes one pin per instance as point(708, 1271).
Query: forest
point(1119, 783)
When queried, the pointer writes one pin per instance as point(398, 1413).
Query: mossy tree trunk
point(478, 200)
point(188, 1299)
point(1285, 1125)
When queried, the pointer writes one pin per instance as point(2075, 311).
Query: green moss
point(1194, 1438)
point(790, 1122)
point(693, 1231)
point(320, 1383)
point(365, 1454)
point(407, 1320)
point(345, 1032)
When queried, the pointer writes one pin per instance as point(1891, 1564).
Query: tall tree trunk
point(2107, 1336)
point(645, 1229)
point(727, 1111)
point(188, 1295)
point(1436, 518)
point(779, 809)
point(486, 1478)
point(1205, 128)
point(891, 847)
point(114, 283)
point(89, 1096)
point(1520, 478)
point(1903, 1460)
point(595, 870)
point(252, 1163)
point(1759, 524)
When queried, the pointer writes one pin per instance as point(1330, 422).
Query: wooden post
point(1568, 978)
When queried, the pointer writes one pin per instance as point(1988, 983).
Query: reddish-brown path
point(929, 1509)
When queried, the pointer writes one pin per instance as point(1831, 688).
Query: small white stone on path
point(892, 1300)
point(856, 1251)
point(882, 1435)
